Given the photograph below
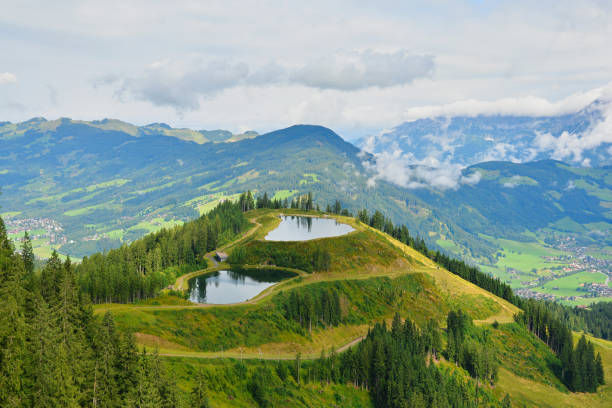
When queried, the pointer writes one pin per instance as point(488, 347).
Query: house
point(221, 256)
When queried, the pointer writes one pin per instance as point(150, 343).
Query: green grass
point(448, 245)
point(206, 203)
point(155, 224)
point(585, 301)
point(227, 380)
point(525, 355)
point(569, 285)
point(87, 210)
point(518, 180)
point(524, 256)
point(594, 190)
point(526, 372)
point(282, 194)
point(567, 224)
point(309, 178)
point(91, 188)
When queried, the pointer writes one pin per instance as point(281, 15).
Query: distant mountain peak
point(465, 140)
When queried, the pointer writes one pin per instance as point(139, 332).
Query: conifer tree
point(27, 254)
point(199, 393)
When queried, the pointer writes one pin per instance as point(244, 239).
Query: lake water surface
point(224, 287)
point(298, 228)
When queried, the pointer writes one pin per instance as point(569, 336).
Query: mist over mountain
point(433, 151)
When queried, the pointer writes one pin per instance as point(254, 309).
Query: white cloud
point(181, 84)
point(7, 78)
point(571, 146)
point(359, 70)
point(181, 87)
point(523, 106)
point(523, 53)
point(399, 168)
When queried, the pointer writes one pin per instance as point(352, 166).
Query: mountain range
point(581, 138)
point(89, 186)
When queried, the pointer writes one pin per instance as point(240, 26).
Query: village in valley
point(38, 228)
point(578, 260)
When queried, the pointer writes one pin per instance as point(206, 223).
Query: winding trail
point(259, 356)
point(181, 281)
point(450, 283)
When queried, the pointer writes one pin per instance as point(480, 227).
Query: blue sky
point(355, 66)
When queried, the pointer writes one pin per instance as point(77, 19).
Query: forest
point(308, 308)
point(55, 353)
point(580, 369)
point(140, 270)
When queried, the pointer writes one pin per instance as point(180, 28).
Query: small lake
point(227, 286)
point(298, 228)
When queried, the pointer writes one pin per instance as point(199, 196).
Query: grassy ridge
point(382, 277)
point(374, 275)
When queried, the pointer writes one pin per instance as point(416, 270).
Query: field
point(570, 285)
point(524, 256)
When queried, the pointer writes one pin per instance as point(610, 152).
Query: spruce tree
point(12, 330)
point(199, 393)
point(27, 254)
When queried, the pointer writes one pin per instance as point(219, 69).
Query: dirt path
point(181, 280)
point(259, 356)
point(449, 281)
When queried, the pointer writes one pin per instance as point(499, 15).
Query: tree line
point(55, 353)
point(581, 370)
point(139, 270)
point(302, 202)
point(308, 308)
point(396, 366)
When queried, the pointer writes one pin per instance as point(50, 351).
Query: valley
point(529, 224)
point(305, 205)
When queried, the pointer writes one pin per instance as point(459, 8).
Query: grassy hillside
point(373, 275)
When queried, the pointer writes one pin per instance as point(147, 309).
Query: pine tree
point(199, 393)
point(27, 254)
point(12, 331)
point(43, 370)
point(145, 394)
point(599, 371)
point(506, 402)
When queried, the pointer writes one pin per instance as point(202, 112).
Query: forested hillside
point(140, 270)
point(55, 353)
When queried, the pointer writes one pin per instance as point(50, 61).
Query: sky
point(357, 67)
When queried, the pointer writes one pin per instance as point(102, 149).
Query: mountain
point(581, 138)
point(41, 125)
point(111, 182)
point(547, 220)
point(82, 187)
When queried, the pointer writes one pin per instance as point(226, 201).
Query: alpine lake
point(241, 284)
